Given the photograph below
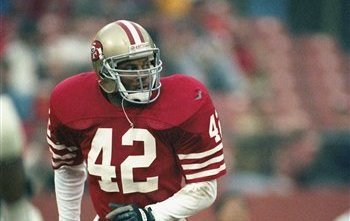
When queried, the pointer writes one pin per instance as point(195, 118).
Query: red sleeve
point(200, 148)
point(62, 145)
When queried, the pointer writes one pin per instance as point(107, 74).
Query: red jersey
point(174, 138)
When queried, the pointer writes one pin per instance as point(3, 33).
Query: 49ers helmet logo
point(96, 51)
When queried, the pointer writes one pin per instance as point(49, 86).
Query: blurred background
point(278, 72)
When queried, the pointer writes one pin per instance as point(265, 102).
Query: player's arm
point(191, 199)
point(70, 173)
point(69, 189)
point(200, 153)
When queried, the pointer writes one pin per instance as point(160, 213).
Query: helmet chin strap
point(137, 96)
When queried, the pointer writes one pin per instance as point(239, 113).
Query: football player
point(15, 204)
point(152, 147)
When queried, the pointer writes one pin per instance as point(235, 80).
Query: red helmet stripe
point(133, 31)
point(127, 31)
point(138, 32)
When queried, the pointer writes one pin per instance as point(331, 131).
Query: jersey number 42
point(102, 142)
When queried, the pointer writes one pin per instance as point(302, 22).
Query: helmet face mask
point(135, 85)
point(124, 53)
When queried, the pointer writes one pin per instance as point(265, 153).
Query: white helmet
point(122, 41)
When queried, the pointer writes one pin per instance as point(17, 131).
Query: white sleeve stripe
point(59, 146)
point(196, 166)
point(200, 155)
point(206, 173)
point(67, 156)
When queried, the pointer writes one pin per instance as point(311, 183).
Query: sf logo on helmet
point(96, 51)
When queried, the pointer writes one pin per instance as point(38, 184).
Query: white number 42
point(102, 142)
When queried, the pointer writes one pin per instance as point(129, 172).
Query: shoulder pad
point(180, 98)
point(66, 100)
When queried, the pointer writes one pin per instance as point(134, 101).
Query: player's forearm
point(69, 188)
point(191, 199)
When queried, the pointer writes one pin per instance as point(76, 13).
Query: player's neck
point(114, 98)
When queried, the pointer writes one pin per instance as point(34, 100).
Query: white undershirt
point(192, 198)
point(69, 188)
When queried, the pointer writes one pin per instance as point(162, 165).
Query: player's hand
point(129, 213)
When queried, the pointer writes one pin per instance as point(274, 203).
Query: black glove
point(129, 213)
